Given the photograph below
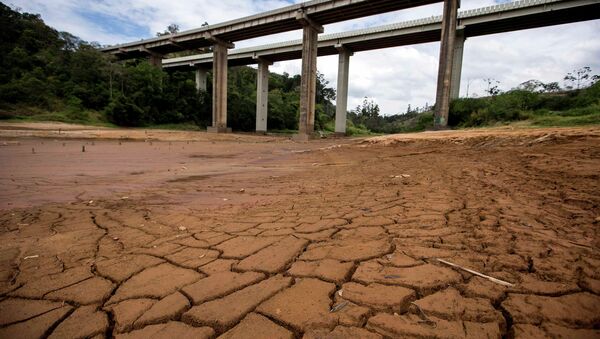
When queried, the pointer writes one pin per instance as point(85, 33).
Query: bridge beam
point(219, 95)
point(459, 45)
point(262, 95)
point(154, 58)
point(201, 79)
point(308, 82)
point(341, 102)
point(442, 98)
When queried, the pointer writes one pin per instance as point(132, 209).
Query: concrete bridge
point(451, 28)
point(476, 22)
point(308, 16)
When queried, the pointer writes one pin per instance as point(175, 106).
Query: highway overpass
point(284, 19)
point(452, 28)
point(507, 17)
point(310, 17)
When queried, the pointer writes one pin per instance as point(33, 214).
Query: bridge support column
point(308, 83)
point(442, 98)
point(201, 77)
point(459, 45)
point(341, 102)
point(219, 97)
point(156, 60)
point(262, 95)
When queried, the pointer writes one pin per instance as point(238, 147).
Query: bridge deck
point(271, 22)
point(481, 21)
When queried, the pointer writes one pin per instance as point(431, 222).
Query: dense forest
point(50, 75)
point(54, 75)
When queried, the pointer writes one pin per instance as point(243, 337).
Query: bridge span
point(308, 16)
point(452, 28)
point(471, 23)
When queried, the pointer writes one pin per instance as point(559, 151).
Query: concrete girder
point(275, 21)
point(218, 41)
point(306, 21)
point(416, 31)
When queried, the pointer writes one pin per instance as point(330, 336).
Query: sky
point(394, 77)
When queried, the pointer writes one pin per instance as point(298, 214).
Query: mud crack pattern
point(342, 247)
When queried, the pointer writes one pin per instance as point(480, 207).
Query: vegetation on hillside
point(50, 75)
point(534, 102)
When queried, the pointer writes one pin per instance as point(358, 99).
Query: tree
point(367, 114)
point(324, 93)
point(536, 86)
point(171, 29)
point(70, 42)
point(492, 87)
point(580, 78)
point(532, 86)
point(551, 87)
point(368, 110)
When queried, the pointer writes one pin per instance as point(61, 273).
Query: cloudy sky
point(393, 77)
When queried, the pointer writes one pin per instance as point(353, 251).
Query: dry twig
point(492, 279)
point(338, 307)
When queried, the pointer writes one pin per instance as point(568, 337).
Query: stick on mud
point(492, 279)
point(338, 307)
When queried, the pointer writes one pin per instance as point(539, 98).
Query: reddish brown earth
point(158, 234)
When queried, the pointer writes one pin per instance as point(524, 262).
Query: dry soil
point(184, 234)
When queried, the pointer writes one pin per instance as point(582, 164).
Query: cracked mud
point(258, 237)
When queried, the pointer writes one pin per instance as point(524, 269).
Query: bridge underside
point(267, 26)
point(428, 34)
point(548, 18)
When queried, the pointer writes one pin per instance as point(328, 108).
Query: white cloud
point(394, 77)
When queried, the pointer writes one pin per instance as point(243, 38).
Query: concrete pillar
point(308, 83)
point(262, 95)
point(459, 44)
point(341, 102)
point(201, 77)
point(156, 60)
point(442, 98)
point(219, 97)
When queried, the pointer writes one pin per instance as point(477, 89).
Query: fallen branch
point(492, 279)
point(338, 307)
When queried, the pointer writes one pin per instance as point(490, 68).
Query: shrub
point(124, 112)
point(462, 109)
